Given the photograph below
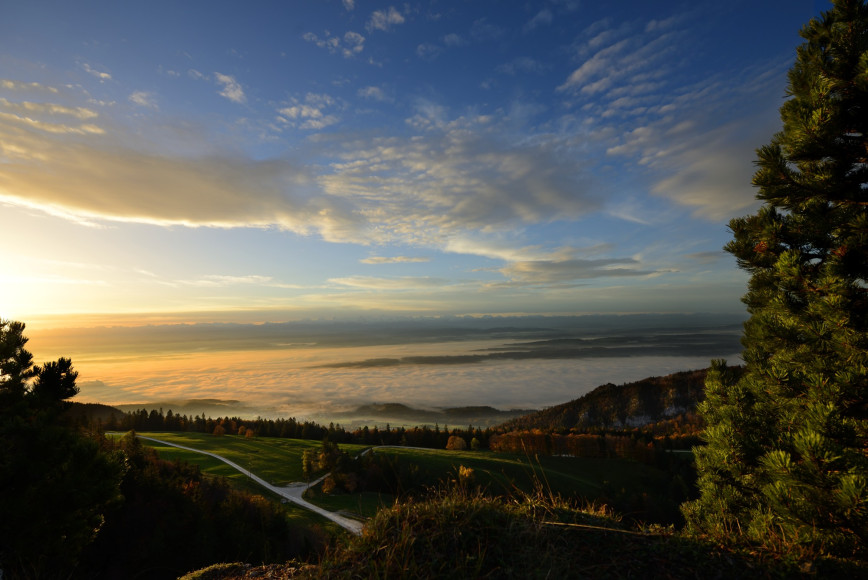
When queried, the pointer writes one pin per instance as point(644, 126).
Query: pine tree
point(56, 484)
point(786, 459)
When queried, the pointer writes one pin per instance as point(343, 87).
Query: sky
point(268, 161)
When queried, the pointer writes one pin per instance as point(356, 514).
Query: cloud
point(349, 4)
point(523, 64)
point(102, 76)
point(28, 108)
point(501, 247)
point(692, 140)
point(456, 176)
point(384, 19)
point(602, 63)
point(453, 39)
point(374, 94)
point(394, 260)
point(536, 265)
point(614, 57)
point(13, 85)
point(699, 146)
point(707, 257)
point(350, 45)
point(310, 113)
point(447, 179)
point(213, 281)
point(143, 99)
point(354, 43)
point(91, 174)
point(483, 31)
point(231, 88)
point(541, 18)
point(569, 270)
point(428, 51)
point(46, 127)
point(402, 283)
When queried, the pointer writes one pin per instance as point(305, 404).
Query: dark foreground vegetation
point(173, 519)
point(74, 504)
point(456, 534)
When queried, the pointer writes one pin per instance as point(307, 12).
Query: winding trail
point(292, 492)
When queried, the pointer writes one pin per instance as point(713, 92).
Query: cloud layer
point(398, 157)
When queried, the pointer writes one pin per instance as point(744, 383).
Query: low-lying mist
point(404, 371)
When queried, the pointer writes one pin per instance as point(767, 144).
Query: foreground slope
point(462, 535)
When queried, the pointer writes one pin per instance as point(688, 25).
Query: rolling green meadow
point(627, 485)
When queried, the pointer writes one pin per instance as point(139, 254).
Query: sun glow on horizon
point(379, 170)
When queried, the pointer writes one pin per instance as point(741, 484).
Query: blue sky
point(265, 160)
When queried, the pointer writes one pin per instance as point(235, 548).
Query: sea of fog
point(318, 370)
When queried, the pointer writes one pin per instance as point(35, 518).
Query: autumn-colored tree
point(456, 443)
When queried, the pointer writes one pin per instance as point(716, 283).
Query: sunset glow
point(278, 161)
point(170, 164)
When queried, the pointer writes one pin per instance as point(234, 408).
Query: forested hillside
point(610, 406)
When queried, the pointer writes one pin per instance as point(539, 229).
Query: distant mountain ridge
point(398, 413)
point(367, 414)
point(629, 405)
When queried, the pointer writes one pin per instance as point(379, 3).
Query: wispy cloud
point(483, 31)
point(56, 128)
point(542, 18)
point(13, 85)
point(402, 283)
point(428, 51)
point(232, 89)
point(374, 94)
point(384, 19)
point(524, 64)
point(707, 257)
point(691, 137)
point(27, 107)
point(101, 75)
point(224, 280)
point(549, 271)
point(143, 99)
point(394, 260)
point(453, 39)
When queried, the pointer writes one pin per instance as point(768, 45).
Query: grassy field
point(278, 461)
point(502, 472)
point(621, 483)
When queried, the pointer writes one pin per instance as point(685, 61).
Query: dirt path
point(292, 492)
